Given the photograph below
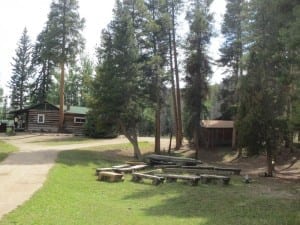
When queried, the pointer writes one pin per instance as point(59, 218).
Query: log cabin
point(44, 117)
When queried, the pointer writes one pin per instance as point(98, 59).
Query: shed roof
point(217, 123)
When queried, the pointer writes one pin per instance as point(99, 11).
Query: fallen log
point(163, 159)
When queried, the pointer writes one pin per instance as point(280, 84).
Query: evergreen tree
point(78, 82)
point(289, 12)
point(116, 97)
point(157, 58)
point(1, 94)
point(44, 67)
point(1, 103)
point(22, 71)
point(86, 71)
point(73, 86)
point(261, 124)
point(197, 66)
point(174, 7)
point(231, 56)
point(64, 39)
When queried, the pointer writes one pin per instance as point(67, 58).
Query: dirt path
point(24, 172)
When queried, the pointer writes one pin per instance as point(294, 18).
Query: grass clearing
point(6, 149)
point(72, 195)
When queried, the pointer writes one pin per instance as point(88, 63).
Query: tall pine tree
point(231, 56)
point(261, 123)
point(44, 66)
point(64, 40)
point(197, 66)
point(116, 97)
point(22, 70)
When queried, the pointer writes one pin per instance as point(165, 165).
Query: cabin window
point(79, 120)
point(41, 118)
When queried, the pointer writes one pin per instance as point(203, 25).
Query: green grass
point(72, 196)
point(6, 149)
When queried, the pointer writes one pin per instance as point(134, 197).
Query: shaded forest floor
point(287, 164)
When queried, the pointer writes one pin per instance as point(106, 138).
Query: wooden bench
point(188, 171)
point(193, 180)
point(207, 178)
point(98, 170)
point(171, 160)
point(110, 176)
point(130, 169)
point(120, 166)
point(156, 180)
point(203, 170)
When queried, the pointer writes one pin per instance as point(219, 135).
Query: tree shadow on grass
point(214, 204)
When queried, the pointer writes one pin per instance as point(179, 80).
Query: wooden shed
point(44, 117)
point(217, 133)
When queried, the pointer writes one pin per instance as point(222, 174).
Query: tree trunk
point(136, 149)
point(175, 107)
point(178, 92)
point(131, 135)
point(270, 162)
point(157, 129)
point(170, 143)
point(61, 97)
point(196, 138)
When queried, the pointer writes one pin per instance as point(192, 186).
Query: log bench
point(156, 180)
point(120, 166)
point(207, 178)
point(171, 160)
point(110, 176)
point(130, 169)
point(203, 170)
point(193, 180)
point(98, 170)
point(188, 171)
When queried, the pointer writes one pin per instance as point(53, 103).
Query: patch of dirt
point(287, 165)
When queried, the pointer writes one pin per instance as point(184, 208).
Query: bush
point(10, 131)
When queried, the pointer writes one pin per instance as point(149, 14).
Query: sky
point(15, 15)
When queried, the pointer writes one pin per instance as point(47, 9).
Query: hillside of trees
point(134, 85)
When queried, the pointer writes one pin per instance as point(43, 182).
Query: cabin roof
point(217, 123)
point(48, 106)
point(76, 110)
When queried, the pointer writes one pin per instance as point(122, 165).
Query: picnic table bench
point(110, 176)
point(156, 180)
point(193, 180)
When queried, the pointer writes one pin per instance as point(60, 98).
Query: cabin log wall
point(50, 124)
point(71, 127)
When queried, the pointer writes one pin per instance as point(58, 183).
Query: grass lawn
point(5, 149)
point(72, 196)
